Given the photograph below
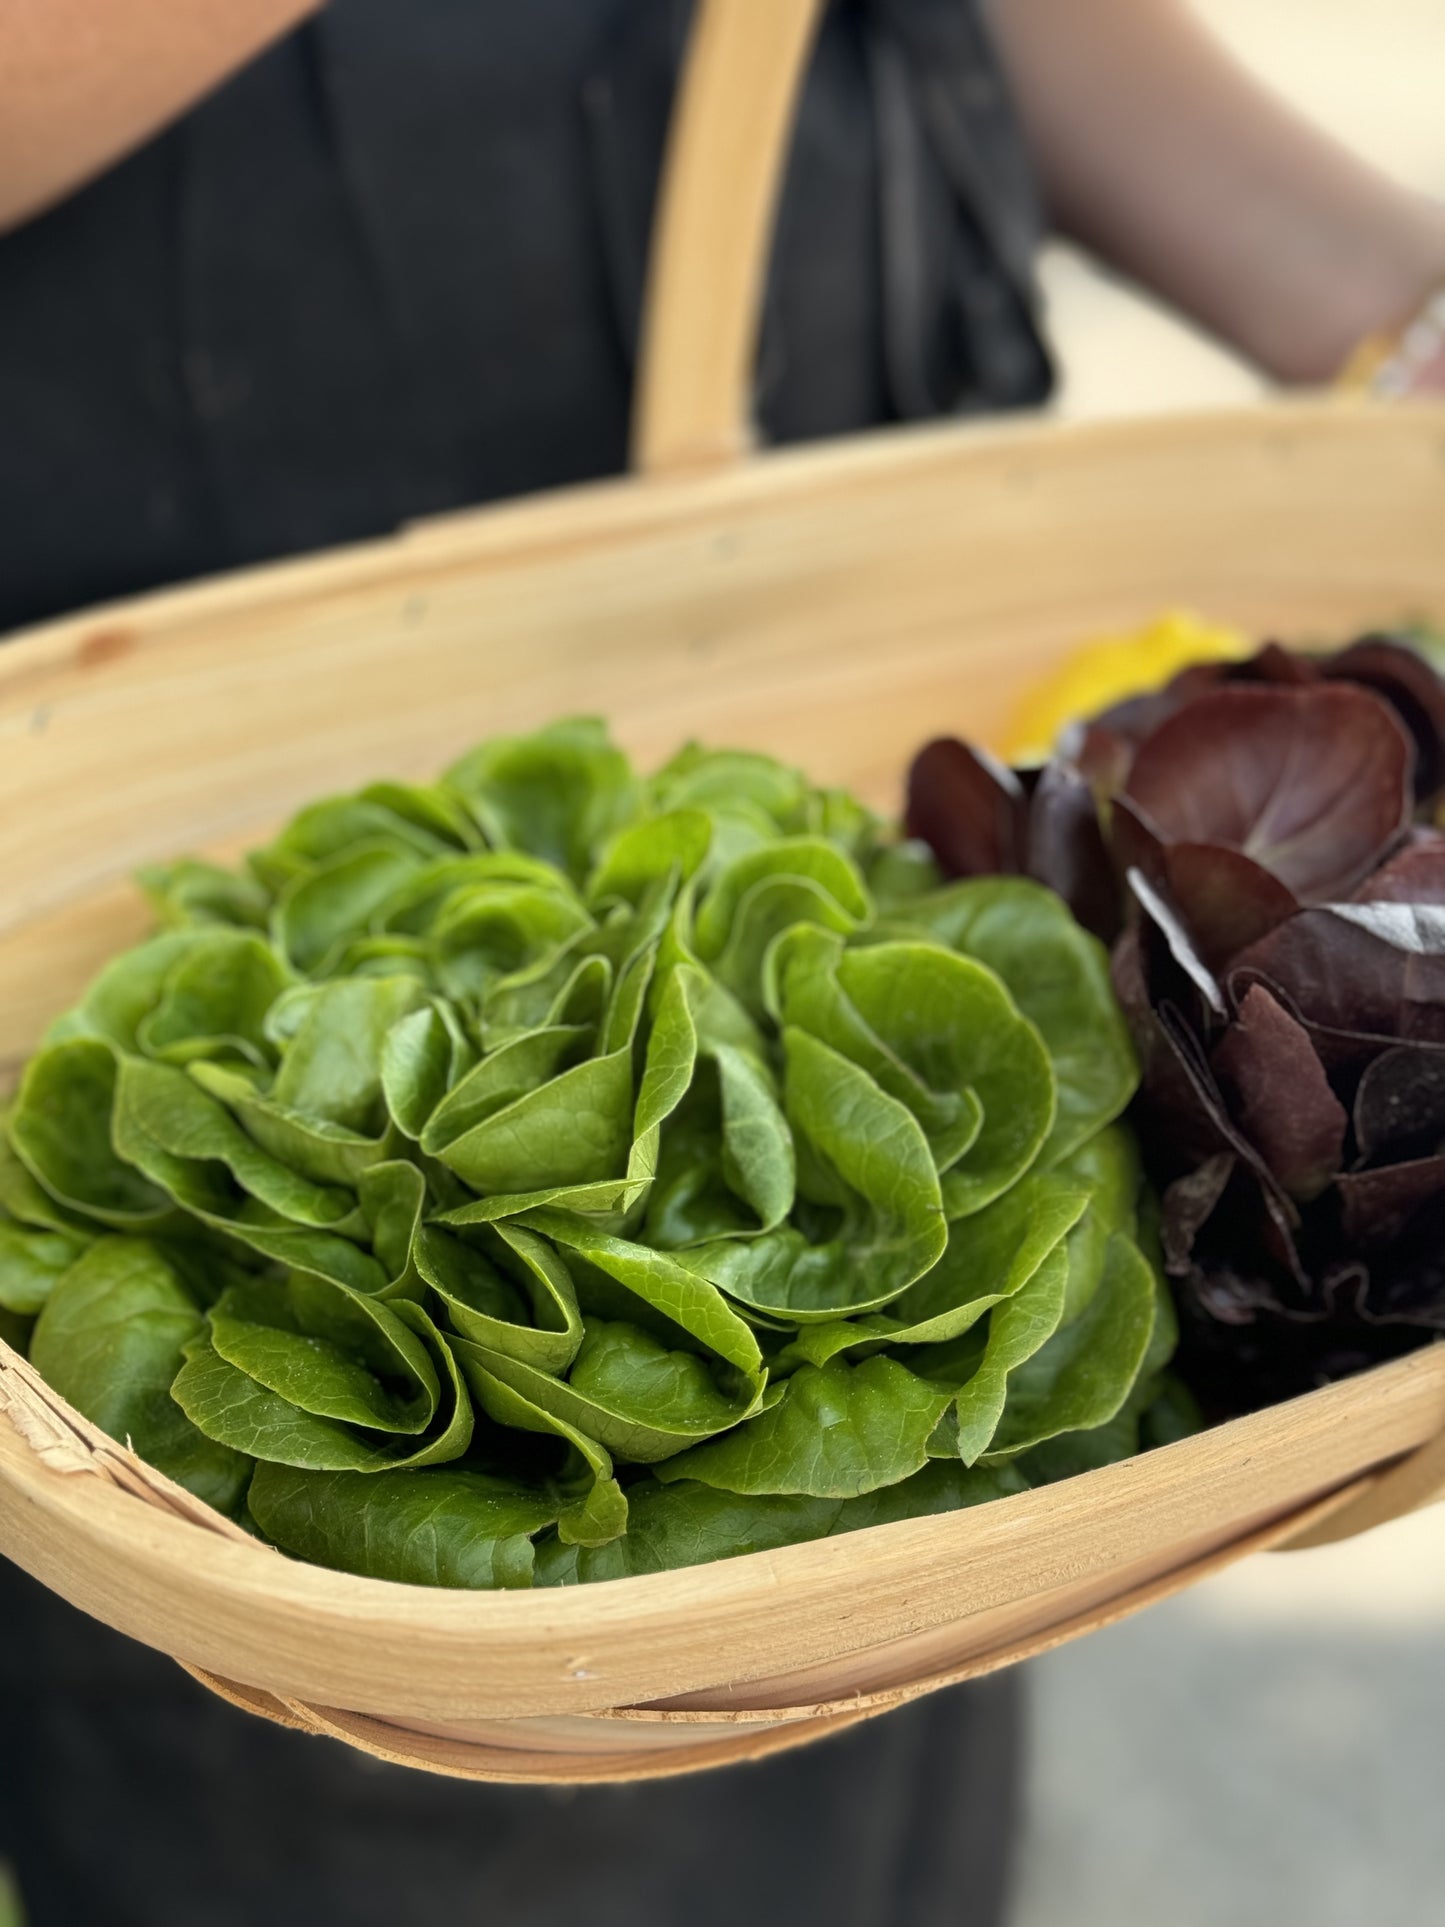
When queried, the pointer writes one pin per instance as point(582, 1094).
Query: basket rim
point(584, 514)
point(234, 1607)
point(250, 1569)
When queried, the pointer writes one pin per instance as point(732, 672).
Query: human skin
point(1165, 158)
point(83, 82)
point(1156, 150)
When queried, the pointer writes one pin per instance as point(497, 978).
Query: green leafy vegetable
point(441, 1528)
point(633, 1395)
point(838, 1430)
point(877, 1217)
point(110, 1339)
point(687, 1524)
point(1081, 1377)
point(552, 1174)
point(1058, 975)
point(31, 1264)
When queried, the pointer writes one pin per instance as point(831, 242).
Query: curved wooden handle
point(726, 152)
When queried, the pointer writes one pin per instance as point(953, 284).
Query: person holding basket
point(277, 275)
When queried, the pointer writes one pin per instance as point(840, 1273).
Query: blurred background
point(1270, 1748)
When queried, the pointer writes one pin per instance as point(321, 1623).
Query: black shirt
point(396, 265)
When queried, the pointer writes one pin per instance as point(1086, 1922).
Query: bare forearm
point(1161, 154)
point(82, 82)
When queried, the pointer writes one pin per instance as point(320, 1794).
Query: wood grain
point(588, 1749)
point(300, 1633)
point(726, 152)
point(835, 605)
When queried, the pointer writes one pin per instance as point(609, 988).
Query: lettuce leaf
point(441, 1528)
point(111, 1339)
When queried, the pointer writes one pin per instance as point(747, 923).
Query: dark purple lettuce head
point(1292, 1115)
point(1259, 843)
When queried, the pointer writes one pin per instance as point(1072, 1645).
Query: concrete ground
point(1269, 1749)
point(1266, 1751)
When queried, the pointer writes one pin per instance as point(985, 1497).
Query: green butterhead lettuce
point(553, 1174)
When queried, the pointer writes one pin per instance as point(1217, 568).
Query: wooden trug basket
point(834, 606)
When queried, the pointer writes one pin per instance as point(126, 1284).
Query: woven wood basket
point(834, 606)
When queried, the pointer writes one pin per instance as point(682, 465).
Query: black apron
point(130, 1797)
point(396, 266)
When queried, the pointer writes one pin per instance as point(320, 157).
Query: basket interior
point(835, 606)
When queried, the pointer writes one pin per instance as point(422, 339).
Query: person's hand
point(1422, 372)
point(1410, 362)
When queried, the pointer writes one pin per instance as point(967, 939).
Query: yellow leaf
point(1110, 668)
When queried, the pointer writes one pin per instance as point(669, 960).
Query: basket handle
point(725, 158)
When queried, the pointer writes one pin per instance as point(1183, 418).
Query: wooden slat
point(823, 605)
point(300, 1633)
point(726, 152)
